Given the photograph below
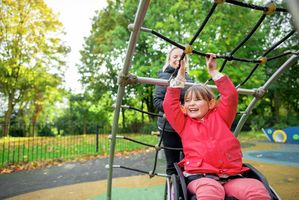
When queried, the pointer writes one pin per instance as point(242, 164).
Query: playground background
point(281, 170)
point(35, 104)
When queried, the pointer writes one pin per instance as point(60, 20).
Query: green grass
point(30, 149)
point(148, 193)
point(252, 135)
point(14, 150)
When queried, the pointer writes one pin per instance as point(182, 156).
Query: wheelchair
point(176, 187)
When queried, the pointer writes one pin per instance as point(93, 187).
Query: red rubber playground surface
point(278, 162)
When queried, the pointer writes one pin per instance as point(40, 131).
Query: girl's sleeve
point(227, 107)
point(172, 109)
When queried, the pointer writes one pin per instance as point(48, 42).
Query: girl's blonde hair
point(168, 58)
point(200, 91)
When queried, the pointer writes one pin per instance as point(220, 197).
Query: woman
point(170, 137)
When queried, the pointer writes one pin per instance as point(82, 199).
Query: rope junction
point(266, 10)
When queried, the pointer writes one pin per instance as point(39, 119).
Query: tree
point(29, 37)
point(105, 48)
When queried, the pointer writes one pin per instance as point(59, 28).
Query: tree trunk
point(84, 126)
point(276, 107)
point(124, 118)
point(7, 115)
point(142, 114)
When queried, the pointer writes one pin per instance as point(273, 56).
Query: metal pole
point(274, 76)
point(140, 14)
point(293, 7)
point(156, 81)
point(97, 139)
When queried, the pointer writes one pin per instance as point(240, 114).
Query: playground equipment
point(286, 135)
point(125, 78)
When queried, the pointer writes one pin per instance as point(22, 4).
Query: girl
point(213, 158)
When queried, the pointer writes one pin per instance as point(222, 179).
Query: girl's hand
point(211, 63)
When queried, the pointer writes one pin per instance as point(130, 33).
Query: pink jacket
point(208, 144)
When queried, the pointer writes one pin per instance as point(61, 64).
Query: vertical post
point(97, 138)
point(143, 5)
point(293, 6)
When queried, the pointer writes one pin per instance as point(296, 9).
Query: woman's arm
point(172, 104)
point(172, 109)
point(159, 97)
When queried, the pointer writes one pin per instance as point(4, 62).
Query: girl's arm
point(228, 103)
point(227, 107)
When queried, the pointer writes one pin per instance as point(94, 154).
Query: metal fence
point(27, 149)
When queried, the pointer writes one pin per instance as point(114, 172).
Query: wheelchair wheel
point(172, 188)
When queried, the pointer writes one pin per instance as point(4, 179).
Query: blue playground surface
point(287, 154)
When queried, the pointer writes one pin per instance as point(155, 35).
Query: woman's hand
point(182, 70)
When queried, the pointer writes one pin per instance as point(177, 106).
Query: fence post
point(97, 139)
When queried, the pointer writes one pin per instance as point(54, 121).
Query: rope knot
point(271, 7)
point(188, 49)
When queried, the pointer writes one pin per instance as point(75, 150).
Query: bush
point(149, 127)
point(139, 127)
point(15, 131)
point(46, 131)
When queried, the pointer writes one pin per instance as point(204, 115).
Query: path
point(273, 160)
point(72, 173)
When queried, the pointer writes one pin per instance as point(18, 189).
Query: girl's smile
point(195, 107)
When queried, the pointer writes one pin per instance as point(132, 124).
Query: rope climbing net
point(125, 78)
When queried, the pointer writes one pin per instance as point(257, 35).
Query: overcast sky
point(76, 16)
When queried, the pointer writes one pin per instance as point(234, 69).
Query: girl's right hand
point(211, 63)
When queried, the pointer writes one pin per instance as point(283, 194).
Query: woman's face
point(174, 57)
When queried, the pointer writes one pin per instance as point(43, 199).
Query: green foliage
point(148, 128)
point(30, 48)
point(45, 131)
point(105, 48)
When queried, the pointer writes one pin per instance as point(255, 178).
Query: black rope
point(281, 55)
point(159, 144)
point(243, 41)
point(174, 74)
point(266, 53)
point(142, 111)
point(226, 57)
point(204, 23)
point(252, 6)
point(146, 144)
point(151, 174)
point(280, 41)
point(136, 141)
point(167, 39)
point(133, 169)
point(150, 145)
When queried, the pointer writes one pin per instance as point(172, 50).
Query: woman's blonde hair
point(168, 58)
point(200, 91)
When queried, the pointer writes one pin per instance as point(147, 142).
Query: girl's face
point(196, 107)
point(174, 57)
